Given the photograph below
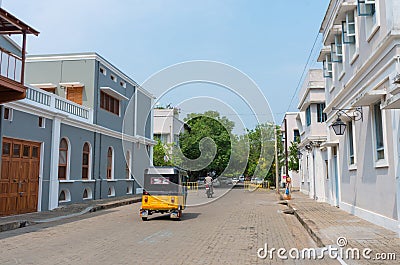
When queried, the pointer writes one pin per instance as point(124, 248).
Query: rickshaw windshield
point(161, 184)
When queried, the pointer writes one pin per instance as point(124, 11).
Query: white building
point(168, 126)
point(312, 127)
point(361, 68)
point(292, 134)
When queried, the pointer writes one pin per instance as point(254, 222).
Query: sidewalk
point(17, 221)
point(326, 223)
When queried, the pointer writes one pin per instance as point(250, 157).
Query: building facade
point(311, 122)
point(361, 61)
point(168, 126)
point(83, 132)
point(293, 135)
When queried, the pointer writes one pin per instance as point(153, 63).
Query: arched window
point(110, 158)
point(65, 196)
point(63, 159)
point(128, 164)
point(87, 194)
point(85, 161)
point(111, 191)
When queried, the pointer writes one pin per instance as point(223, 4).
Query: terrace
point(12, 66)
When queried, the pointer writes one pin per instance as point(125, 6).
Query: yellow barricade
point(193, 186)
point(252, 186)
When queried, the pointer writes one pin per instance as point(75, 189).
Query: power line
point(304, 71)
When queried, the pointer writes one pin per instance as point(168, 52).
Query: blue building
point(72, 122)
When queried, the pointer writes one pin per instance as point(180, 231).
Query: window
point(308, 115)
point(65, 196)
point(87, 194)
point(327, 66)
point(326, 169)
point(349, 33)
point(6, 148)
point(103, 71)
point(129, 189)
point(321, 116)
point(127, 165)
point(367, 9)
point(351, 142)
point(380, 150)
point(122, 83)
point(85, 161)
point(42, 122)
point(336, 49)
point(296, 135)
point(110, 162)
point(109, 103)
point(63, 160)
point(8, 114)
point(113, 78)
point(111, 191)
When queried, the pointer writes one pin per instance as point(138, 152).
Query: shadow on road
point(165, 217)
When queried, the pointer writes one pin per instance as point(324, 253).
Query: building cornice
point(87, 56)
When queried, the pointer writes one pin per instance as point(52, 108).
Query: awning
point(330, 38)
point(113, 93)
point(330, 144)
point(343, 9)
point(9, 24)
point(72, 84)
point(326, 50)
point(44, 85)
point(368, 98)
point(392, 103)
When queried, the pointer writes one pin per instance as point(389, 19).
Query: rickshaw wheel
point(144, 218)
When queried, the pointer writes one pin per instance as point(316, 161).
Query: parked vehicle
point(216, 183)
point(164, 192)
point(241, 178)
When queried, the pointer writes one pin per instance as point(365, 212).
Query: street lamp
point(299, 155)
point(339, 127)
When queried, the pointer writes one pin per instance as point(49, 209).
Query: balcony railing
point(10, 65)
point(56, 104)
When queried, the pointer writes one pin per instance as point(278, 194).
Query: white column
point(151, 129)
point(55, 144)
point(136, 109)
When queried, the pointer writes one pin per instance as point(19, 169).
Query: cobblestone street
point(228, 231)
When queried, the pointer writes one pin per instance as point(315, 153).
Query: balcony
point(12, 66)
point(51, 103)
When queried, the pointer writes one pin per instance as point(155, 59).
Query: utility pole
point(286, 151)
point(276, 161)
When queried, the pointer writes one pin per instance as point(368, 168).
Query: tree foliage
point(212, 125)
point(293, 160)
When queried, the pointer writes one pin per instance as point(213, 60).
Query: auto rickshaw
point(164, 191)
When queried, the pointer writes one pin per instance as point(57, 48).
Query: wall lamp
point(339, 127)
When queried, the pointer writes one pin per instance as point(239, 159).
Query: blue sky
point(267, 40)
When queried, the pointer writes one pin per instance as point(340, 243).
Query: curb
point(24, 223)
point(305, 224)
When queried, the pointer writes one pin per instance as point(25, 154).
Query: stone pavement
point(326, 223)
point(67, 211)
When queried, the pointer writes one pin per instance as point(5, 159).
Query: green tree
point(293, 160)
point(161, 156)
point(211, 125)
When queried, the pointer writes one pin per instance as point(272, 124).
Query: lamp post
point(339, 127)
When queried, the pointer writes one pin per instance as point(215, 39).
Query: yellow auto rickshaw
point(164, 191)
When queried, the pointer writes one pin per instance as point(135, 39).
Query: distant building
point(312, 126)
point(293, 135)
point(168, 126)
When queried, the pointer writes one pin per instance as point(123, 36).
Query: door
point(336, 175)
point(75, 94)
point(19, 180)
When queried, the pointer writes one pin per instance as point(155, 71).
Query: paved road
point(228, 231)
